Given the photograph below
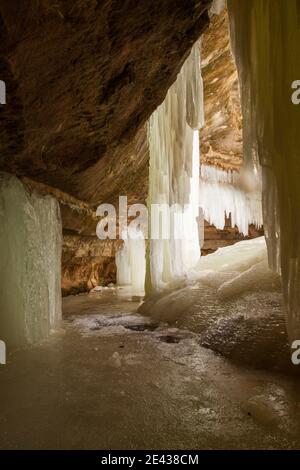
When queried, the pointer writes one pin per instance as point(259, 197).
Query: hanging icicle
point(221, 194)
point(174, 173)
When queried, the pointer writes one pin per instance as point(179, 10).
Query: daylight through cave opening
point(189, 191)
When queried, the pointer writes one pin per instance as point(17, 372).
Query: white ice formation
point(221, 193)
point(265, 35)
point(174, 174)
point(30, 263)
point(217, 7)
point(230, 271)
point(131, 261)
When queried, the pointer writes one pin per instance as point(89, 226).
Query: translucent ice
point(257, 277)
point(174, 172)
point(265, 35)
point(131, 262)
point(30, 263)
point(237, 257)
point(217, 7)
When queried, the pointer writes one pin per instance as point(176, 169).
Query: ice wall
point(265, 38)
point(131, 262)
point(221, 193)
point(174, 173)
point(30, 263)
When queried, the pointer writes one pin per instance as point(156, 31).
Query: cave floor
point(111, 379)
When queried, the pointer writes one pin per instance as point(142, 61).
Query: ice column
point(131, 261)
point(265, 37)
point(174, 175)
point(222, 193)
point(30, 263)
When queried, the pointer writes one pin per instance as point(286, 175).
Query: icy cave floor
point(113, 379)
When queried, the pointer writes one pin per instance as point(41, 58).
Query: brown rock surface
point(215, 238)
point(221, 137)
point(87, 262)
point(82, 77)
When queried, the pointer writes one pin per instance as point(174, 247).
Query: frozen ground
point(111, 379)
point(234, 303)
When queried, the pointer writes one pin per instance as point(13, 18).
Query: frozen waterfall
point(30, 263)
point(174, 173)
point(265, 35)
point(131, 261)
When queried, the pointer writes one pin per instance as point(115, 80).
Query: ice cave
point(179, 327)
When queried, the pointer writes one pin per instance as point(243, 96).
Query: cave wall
point(221, 137)
point(215, 238)
point(87, 262)
point(82, 78)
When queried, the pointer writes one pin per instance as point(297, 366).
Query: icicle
point(217, 7)
point(174, 171)
point(221, 194)
point(123, 265)
point(131, 262)
point(265, 35)
point(194, 89)
point(271, 216)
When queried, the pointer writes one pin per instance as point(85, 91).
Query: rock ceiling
point(82, 78)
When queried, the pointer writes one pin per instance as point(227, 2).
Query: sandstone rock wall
point(87, 262)
point(221, 137)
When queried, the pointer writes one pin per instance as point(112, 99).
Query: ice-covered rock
point(30, 263)
point(232, 270)
point(257, 277)
point(233, 258)
point(263, 36)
